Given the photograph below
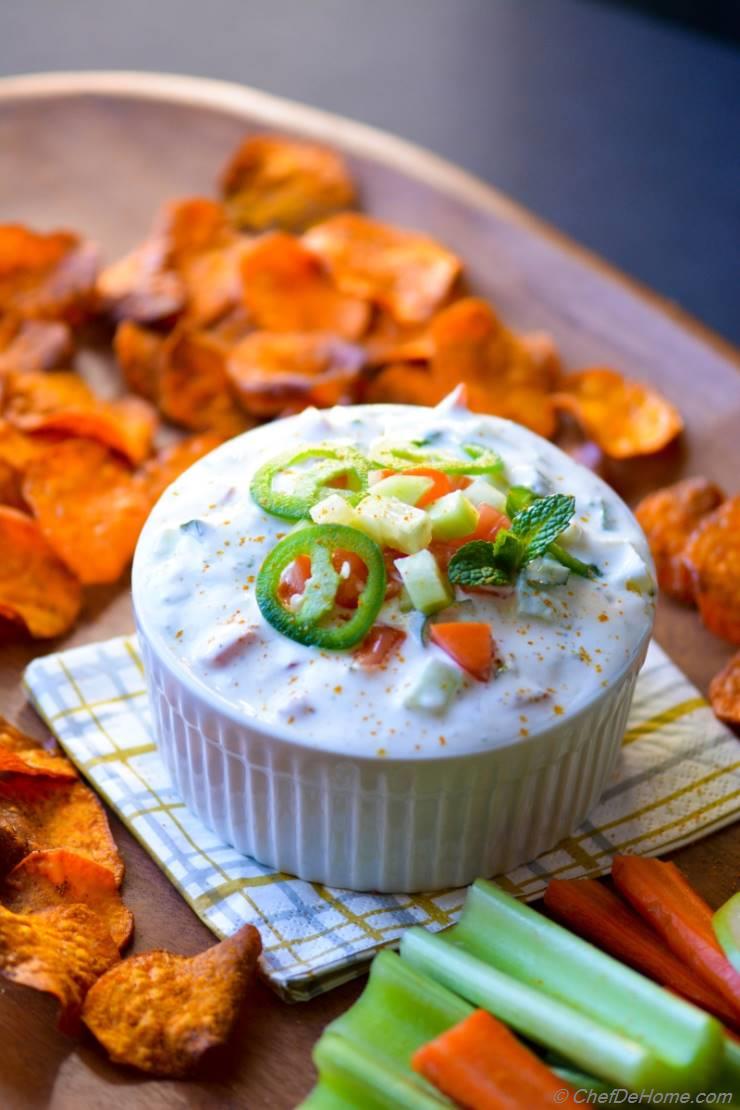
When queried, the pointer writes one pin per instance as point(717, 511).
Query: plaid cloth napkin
point(677, 779)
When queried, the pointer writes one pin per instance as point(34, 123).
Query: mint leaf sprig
point(536, 524)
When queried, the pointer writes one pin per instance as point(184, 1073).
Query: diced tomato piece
point(381, 641)
point(441, 484)
point(294, 578)
point(469, 643)
point(490, 521)
point(460, 481)
point(351, 587)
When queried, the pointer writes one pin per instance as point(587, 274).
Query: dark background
point(612, 121)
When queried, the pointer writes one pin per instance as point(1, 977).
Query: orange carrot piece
point(469, 643)
point(599, 915)
point(661, 894)
point(442, 484)
point(482, 1066)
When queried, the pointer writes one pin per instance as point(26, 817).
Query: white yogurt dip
point(559, 640)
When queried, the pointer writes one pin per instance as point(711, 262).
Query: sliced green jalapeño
point(314, 618)
point(325, 464)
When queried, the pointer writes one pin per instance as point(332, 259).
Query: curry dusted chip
point(89, 506)
point(668, 517)
point(286, 288)
point(171, 462)
point(724, 691)
point(57, 877)
point(16, 452)
point(36, 589)
point(137, 287)
point(625, 418)
point(404, 384)
point(38, 813)
point(10, 486)
point(276, 182)
point(194, 388)
point(20, 754)
point(387, 341)
point(272, 372)
point(160, 1013)
point(64, 403)
point(405, 272)
point(139, 354)
point(712, 557)
point(33, 344)
point(49, 276)
point(60, 951)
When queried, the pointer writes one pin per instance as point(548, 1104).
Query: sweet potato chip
point(89, 506)
point(16, 452)
point(46, 276)
point(10, 486)
point(139, 354)
point(668, 517)
point(194, 388)
point(39, 813)
point(160, 1013)
point(33, 344)
point(272, 371)
point(625, 418)
point(387, 341)
point(60, 951)
point(137, 287)
point(161, 471)
point(36, 588)
point(64, 403)
point(405, 272)
point(57, 877)
point(276, 182)
point(286, 288)
point(404, 384)
point(21, 755)
point(712, 556)
point(724, 691)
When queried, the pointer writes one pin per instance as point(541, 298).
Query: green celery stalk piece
point(726, 923)
point(581, 1080)
point(681, 1046)
point(526, 1009)
point(363, 1057)
point(729, 1076)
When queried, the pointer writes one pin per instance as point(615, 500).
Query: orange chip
point(57, 877)
point(194, 388)
point(46, 276)
point(137, 287)
point(10, 486)
point(404, 384)
point(161, 471)
point(20, 754)
point(724, 691)
point(272, 371)
point(624, 417)
point(286, 288)
point(16, 452)
point(388, 341)
point(39, 813)
point(159, 1012)
point(33, 344)
point(405, 272)
point(36, 588)
point(64, 403)
point(276, 182)
point(89, 506)
point(139, 354)
point(712, 556)
point(61, 951)
point(668, 517)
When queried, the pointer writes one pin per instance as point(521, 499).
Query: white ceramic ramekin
point(372, 823)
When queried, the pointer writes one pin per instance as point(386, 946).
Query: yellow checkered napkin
point(677, 779)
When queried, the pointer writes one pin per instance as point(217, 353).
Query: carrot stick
point(661, 895)
point(468, 643)
point(598, 914)
point(483, 1066)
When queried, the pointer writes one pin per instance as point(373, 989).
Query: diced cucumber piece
point(481, 492)
point(393, 523)
point(531, 602)
point(571, 534)
point(424, 582)
point(409, 488)
point(546, 572)
point(435, 686)
point(452, 516)
point(334, 509)
point(405, 604)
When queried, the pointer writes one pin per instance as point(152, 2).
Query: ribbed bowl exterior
point(382, 824)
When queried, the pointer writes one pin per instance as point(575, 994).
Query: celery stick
point(365, 1054)
point(544, 1020)
point(683, 1043)
point(581, 1080)
point(726, 923)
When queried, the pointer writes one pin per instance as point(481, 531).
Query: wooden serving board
point(99, 153)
